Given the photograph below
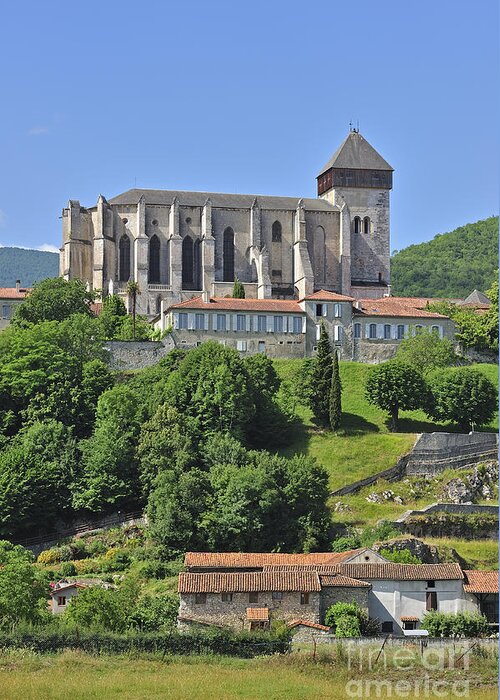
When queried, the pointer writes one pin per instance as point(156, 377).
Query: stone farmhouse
point(366, 330)
point(249, 590)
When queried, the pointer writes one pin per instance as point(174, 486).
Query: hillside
point(450, 265)
point(29, 266)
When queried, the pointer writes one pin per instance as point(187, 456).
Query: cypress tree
point(238, 290)
point(335, 395)
point(321, 378)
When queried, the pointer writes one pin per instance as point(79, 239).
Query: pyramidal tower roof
point(356, 153)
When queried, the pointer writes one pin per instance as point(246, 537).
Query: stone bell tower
point(358, 180)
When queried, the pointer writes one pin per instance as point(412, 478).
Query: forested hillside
point(29, 266)
point(450, 265)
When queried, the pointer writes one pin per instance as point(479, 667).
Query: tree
point(97, 608)
point(395, 386)
point(321, 377)
point(132, 292)
point(335, 395)
point(154, 613)
point(238, 289)
point(462, 395)
point(23, 587)
point(346, 619)
point(490, 318)
point(426, 351)
point(109, 474)
point(36, 467)
point(53, 300)
point(112, 314)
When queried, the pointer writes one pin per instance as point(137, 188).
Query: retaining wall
point(137, 354)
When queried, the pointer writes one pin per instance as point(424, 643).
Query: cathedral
point(177, 245)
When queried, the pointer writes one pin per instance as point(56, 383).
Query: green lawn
point(364, 445)
point(77, 676)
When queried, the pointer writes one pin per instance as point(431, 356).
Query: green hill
point(29, 266)
point(450, 265)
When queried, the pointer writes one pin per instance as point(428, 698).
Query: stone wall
point(455, 508)
point(434, 452)
point(340, 594)
point(233, 614)
point(130, 355)
point(276, 345)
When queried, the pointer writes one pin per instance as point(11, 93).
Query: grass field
point(76, 676)
point(364, 445)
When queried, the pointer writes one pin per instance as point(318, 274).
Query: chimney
point(205, 296)
point(18, 285)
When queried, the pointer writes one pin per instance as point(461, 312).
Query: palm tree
point(132, 292)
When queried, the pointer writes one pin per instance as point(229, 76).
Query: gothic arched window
point(276, 232)
point(228, 255)
point(154, 260)
point(366, 224)
point(187, 263)
point(357, 224)
point(124, 258)
point(197, 264)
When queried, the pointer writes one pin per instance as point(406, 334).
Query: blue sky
point(246, 96)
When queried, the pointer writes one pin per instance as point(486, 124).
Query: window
point(304, 598)
point(154, 260)
point(124, 258)
point(318, 331)
point(319, 309)
point(221, 322)
point(357, 224)
point(200, 322)
point(278, 324)
point(409, 625)
point(277, 595)
point(276, 232)
point(241, 324)
point(431, 584)
point(187, 263)
point(297, 324)
point(387, 331)
point(261, 347)
point(253, 597)
point(387, 627)
point(372, 331)
point(226, 597)
point(262, 324)
point(200, 598)
point(401, 332)
point(276, 273)
point(183, 321)
point(228, 255)
point(435, 329)
point(241, 345)
point(337, 310)
point(431, 600)
point(418, 329)
point(366, 224)
point(357, 330)
point(6, 311)
point(337, 334)
point(61, 600)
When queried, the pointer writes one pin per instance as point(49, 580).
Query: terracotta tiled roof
point(56, 591)
point(281, 306)
point(306, 623)
point(394, 306)
point(339, 580)
point(249, 581)
point(13, 293)
point(409, 618)
point(258, 614)
point(481, 581)
point(258, 560)
point(402, 572)
point(324, 295)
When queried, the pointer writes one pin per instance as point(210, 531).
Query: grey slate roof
point(477, 297)
point(219, 200)
point(356, 153)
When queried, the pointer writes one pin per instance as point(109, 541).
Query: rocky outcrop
point(426, 553)
point(478, 485)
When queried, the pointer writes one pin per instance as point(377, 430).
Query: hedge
point(221, 642)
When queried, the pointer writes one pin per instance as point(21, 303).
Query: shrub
point(155, 613)
point(344, 544)
point(347, 626)
point(339, 610)
point(462, 624)
point(400, 556)
point(67, 568)
point(87, 566)
point(49, 556)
